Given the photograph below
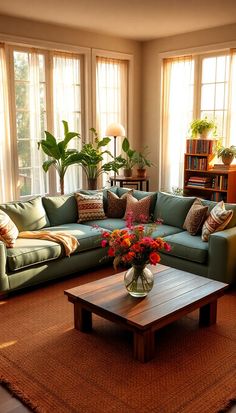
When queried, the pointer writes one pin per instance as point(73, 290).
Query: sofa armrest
point(222, 256)
point(4, 284)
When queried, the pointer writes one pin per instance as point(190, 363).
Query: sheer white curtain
point(7, 187)
point(177, 108)
point(38, 177)
point(111, 98)
point(231, 136)
point(67, 106)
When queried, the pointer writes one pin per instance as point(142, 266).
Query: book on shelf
point(204, 146)
point(198, 181)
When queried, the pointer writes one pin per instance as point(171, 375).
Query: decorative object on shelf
point(142, 162)
point(62, 157)
point(227, 155)
point(202, 128)
point(129, 161)
point(91, 157)
point(115, 129)
point(135, 247)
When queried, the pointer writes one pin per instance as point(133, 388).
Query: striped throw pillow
point(90, 207)
point(217, 220)
point(8, 230)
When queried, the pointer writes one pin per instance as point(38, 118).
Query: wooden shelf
point(222, 182)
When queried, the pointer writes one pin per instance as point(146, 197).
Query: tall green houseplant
point(57, 150)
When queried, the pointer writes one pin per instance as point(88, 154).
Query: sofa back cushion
point(212, 204)
point(61, 209)
point(140, 195)
point(27, 216)
point(172, 209)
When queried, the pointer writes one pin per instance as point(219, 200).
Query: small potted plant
point(227, 154)
point(128, 160)
point(202, 128)
point(142, 162)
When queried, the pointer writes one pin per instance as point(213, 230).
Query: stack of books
point(200, 181)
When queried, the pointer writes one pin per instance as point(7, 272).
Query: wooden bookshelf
point(202, 178)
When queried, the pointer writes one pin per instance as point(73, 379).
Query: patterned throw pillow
point(217, 220)
point(195, 217)
point(138, 208)
point(116, 206)
point(8, 230)
point(90, 206)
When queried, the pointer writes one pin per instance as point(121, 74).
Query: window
point(44, 88)
point(194, 87)
point(111, 96)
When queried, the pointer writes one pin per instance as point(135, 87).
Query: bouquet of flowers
point(134, 245)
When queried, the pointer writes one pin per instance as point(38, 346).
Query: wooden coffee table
point(175, 294)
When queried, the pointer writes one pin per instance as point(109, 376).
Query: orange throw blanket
point(69, 242)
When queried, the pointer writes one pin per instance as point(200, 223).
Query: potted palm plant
point(227, 154)
point(57, 150)
point(91, 159)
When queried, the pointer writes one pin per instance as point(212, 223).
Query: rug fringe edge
point(18, 394)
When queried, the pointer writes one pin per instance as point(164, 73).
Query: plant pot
point(92, 183)
point(204, 134)
point(227, 159)
point(138, 280)
point(141, 173)
point(127, 172)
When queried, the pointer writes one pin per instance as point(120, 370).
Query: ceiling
point(132, 19)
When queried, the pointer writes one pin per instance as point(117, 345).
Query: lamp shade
point(115, 129)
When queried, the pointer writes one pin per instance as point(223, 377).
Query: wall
point(151, 80)
point(62, 34)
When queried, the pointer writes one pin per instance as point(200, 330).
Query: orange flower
point(154, 258)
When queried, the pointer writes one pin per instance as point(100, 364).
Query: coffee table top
point(174, 294)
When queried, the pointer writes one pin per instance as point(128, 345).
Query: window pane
point(22, 95)
point(22, 125)
point(21, 67)
point(222, 68)
point(220, 96)
point(23, 148)
point(208, 70)
point(208, 95)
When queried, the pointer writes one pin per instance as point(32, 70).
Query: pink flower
point(167, 246)
point(104, 243)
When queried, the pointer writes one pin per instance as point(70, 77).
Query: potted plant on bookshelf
point(128, 159)
point(142, 162)
point(202, 127)
point(227, 154)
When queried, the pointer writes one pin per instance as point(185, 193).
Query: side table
point(132, 180)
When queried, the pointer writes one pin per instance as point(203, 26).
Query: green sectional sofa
point(33, 261)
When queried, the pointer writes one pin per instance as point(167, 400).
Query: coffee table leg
point(82, 318)
point(144, 345)
point(207, 315)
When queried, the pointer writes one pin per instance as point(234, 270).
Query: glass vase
point(138, 280)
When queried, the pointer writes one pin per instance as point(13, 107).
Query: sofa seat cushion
point(108, 224)
point(27, 252)
point(185, 246)
point(165, 230)
point(88, 236)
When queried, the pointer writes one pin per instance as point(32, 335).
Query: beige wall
point(61, 34)
point(151, 79)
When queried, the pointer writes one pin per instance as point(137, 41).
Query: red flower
point(111, 252)
point(104, 243)
point(154, 258)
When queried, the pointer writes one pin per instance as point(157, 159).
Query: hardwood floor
point(9, 404)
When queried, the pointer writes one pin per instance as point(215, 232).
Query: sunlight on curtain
point(111, 98)
point(177, 108)
point(37, 107)
point(67, 106)
point(7, 192)
point(231, 138)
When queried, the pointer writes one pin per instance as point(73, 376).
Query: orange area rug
point(51, 367)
